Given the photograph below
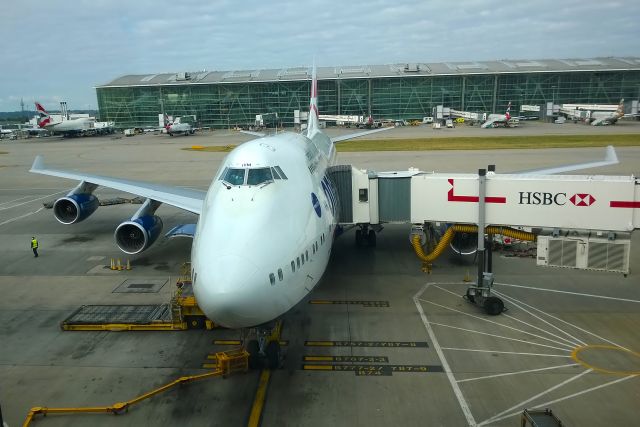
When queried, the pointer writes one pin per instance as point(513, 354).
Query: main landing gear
point(366, 235)
point(264, 350)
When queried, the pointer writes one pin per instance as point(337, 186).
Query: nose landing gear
point(264, 350)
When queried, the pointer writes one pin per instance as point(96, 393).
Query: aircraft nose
point(224, 290)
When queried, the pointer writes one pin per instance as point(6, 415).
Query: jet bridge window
point(259, 175)
point(234, 176)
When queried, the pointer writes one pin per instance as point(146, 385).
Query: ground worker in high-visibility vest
point(34, 246)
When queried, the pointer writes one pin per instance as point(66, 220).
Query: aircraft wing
point(183, 198)
point(250, 132)
point(488, 124)
point(610, 158)
point(357, 134)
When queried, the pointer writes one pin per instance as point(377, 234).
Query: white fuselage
point(259, 249)
point(75, 125)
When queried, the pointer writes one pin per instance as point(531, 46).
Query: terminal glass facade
point(225, 105)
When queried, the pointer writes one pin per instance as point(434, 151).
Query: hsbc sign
point(542, 198)
point(558, 199)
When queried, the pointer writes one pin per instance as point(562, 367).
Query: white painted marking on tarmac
point(14, 200)
point(546, 404)
point(29, 201)
point(445, 365)
point(547, 391)
point(512, 301)
point(571, 343)
point(570, 293)
point(485, 377)
point(502, 337)
point(20, 217)
point(504, 352)
point(571, 324)
point(496, 323)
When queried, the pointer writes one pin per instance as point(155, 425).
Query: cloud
point(60, 47)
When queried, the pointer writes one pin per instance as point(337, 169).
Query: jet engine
point(139, 233)
point(135, 236)
point(77, 205)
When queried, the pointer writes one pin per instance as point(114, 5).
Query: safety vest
point(34, 244)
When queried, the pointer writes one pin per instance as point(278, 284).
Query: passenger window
point(280, 172)
point(272, 279)
point(313, 248)
point(293, 267)
point(298, 262)
point(258, 176)
point(280, 275)
point(306, 255)
point(302, 256)
point(234, 176)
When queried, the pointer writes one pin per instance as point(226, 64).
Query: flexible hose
point(464, 228)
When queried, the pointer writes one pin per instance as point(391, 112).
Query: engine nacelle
point(75, 207)
point(464, 243)
point(138, 234)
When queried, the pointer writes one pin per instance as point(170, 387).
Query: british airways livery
point(265, 229)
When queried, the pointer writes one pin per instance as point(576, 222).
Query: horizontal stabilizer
point(182, 230)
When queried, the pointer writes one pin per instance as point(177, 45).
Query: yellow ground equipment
point(427, 259)
point(228, 363)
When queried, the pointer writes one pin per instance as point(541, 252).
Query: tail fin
point(508, 112)
point(44, 119)
point(312, 122)
point(620, 110)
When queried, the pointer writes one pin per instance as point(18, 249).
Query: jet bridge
point(598, 210)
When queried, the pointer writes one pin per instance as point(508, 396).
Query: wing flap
point(183, 198)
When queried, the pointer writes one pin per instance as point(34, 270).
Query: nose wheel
point(264, 351)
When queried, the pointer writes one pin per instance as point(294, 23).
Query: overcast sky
point(60, 49)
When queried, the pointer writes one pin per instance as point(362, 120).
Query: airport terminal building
point(222, 99)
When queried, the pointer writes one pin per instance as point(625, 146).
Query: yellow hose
point(462, 228)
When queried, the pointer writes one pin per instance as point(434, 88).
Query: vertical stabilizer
point(312, 123)
point(508, 112)
point(43, 117)
point(620, 110)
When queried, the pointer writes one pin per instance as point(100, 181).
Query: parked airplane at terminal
point(496, 120)
point(71, 127)
point(271, 196)
point(178, 128)
point(604, 118)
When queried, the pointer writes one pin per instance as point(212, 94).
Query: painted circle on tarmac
point(316, 204)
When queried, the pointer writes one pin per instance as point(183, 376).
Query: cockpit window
point(275, 174)
point(234, 176)
point(258, 176)
point(277, 168)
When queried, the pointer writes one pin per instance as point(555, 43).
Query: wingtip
point(38, 163)
point(611, 154)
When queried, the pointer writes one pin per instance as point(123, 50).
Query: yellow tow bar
point(229, 362)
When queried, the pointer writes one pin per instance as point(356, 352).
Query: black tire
point(194, 322)
point(371, 238)
point(359, 237)
point(493, 306)
point(273, 355)
point(254, 354)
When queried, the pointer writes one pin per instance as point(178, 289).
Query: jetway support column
point(480, 294)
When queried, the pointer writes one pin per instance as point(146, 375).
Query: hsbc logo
point(557, 199)
point(540, 198)
point(582, 199)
